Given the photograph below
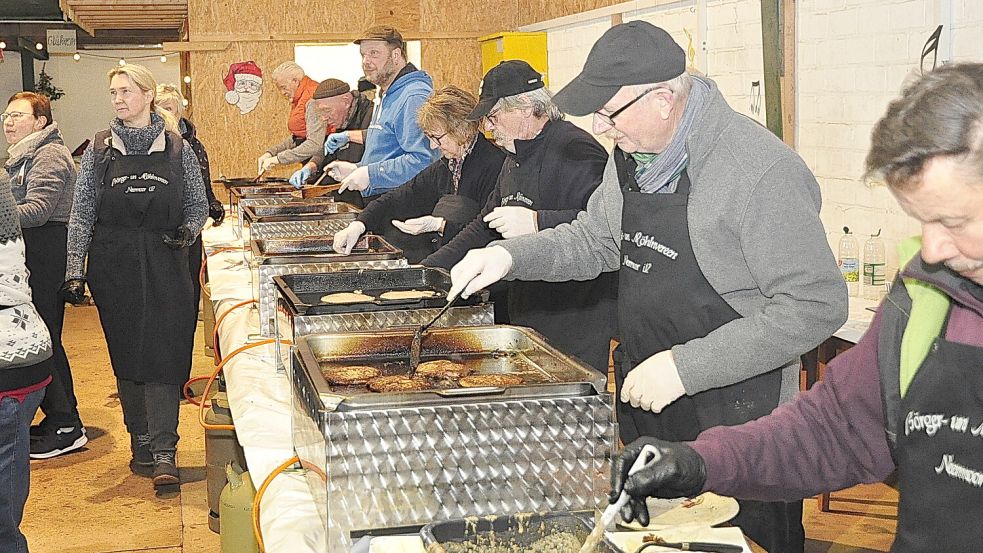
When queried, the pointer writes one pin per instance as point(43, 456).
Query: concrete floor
point(89, 502)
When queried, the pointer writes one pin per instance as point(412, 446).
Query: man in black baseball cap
point(725, 273)
point(551, 169)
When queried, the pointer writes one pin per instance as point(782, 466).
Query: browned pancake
point(479, 380)
point(398, 383)
point(351, 374)
point(443, 368)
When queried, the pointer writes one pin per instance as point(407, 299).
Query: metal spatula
point(417, 343)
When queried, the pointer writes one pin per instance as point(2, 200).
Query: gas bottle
point(221, 447)
point(235, 510)
point(874, 260)
point(849, 261)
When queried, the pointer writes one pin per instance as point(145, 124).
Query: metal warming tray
point(272, 209)
point(275, 257)
point(388, 461)
point(234, 182)
point(513, 530)
point(306, 228)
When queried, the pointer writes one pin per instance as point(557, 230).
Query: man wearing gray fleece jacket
point(726, 276)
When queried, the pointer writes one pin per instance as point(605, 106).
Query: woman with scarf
point(41, 176)
point(139, 205)
point(425, 213)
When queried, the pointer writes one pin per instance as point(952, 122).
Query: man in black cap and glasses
point(725, 273)
point(551, 169)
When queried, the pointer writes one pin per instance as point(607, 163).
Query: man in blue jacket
point(395, 147)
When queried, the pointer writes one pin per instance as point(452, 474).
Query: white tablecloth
point(858, 320)
point(260, 403)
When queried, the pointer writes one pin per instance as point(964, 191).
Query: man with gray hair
point(305, 125)
point(551, 169)
point(725, 274)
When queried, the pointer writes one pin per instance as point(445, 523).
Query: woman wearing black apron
point(654, 316)
point(139, 205)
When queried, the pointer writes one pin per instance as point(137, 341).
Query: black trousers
point(45, 249)
point(151, 408)
point(775, 526)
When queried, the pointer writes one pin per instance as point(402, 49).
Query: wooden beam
point(197, 46)
point(771, 46)
point(141, 10)
point(124, 3)
point(788, 73)
point(328, 36)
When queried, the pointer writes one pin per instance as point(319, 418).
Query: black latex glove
point(73, 291)
point(680, 472)
point(183, 238)
point(456, 209)
point(217, 212)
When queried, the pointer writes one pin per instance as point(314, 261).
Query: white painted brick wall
point(852, 57)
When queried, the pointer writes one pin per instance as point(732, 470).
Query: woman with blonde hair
point(426, 212)
point(139, 204)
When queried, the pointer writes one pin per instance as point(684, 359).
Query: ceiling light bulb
point(163, 59)
point(184, 102)
point(187, 79)
point(122, 62)
point(76, 57)
point(39, 46)
point(2, 45)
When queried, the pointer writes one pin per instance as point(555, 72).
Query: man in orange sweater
point(306, 128)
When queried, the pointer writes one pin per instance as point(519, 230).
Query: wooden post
point(771, 47)
point(788, 74)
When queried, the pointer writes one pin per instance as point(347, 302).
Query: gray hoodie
point(755, 228)
point(42, 177)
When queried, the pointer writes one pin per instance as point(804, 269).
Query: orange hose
point(218, 322)
point(204, 261)
point(214, 375)
point(259, 497)
point(187, 391)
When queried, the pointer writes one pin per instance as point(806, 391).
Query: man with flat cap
point(726, 276)
point(551, 168)
point(395, 148)
point(342, 110)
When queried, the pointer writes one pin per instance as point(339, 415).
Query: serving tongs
point(417, 344)
point(706, 547)
point(315, 190)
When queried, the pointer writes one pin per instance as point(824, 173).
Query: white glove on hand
point(653, 384)
point(345, 241)
point(479, 269)
point(338, 170)
point(300, 175)
point(512, 220)
point(420, 225)
point(266, 162)
point(356, 180)
point(334, 142)
point(261, 160)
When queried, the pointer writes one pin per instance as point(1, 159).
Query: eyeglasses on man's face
point(13, 116)
point(608, 118)
point(436, 138)
point(493, 117)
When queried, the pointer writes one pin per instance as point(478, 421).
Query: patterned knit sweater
point(24, 339)
point(136, 141)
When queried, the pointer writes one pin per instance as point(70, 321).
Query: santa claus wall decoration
point(244, 84)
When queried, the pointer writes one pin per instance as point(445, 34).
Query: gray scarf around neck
point(138, 139)
point(661, 175)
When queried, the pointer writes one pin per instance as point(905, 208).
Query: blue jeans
point(15, 467)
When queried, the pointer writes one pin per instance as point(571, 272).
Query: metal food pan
point(507, 532)
point(303, 293)
point(235, 182)
point(297, 210)
point(319, 249)
point(307, 228)
point(492, 349)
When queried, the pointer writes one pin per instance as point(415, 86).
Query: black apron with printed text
point(940, 453)
point(664, 300)
point(142, 288)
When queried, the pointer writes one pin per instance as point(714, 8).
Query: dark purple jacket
point(833, 436)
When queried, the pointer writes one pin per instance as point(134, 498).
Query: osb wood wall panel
point(535, 11)
point(453, 62)
point(233, 140)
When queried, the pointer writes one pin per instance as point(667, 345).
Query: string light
point(122, 62)
point(184, 102)
point(3, 44)
point(76, 57)
point(39, 46)
point(187, 79)
point(163, 59)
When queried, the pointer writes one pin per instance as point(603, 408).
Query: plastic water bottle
point(874, 260)
point(849, 261)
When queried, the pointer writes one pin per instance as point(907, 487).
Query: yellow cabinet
point(529, 47)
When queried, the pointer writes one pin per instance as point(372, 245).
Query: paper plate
point(708, 509)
